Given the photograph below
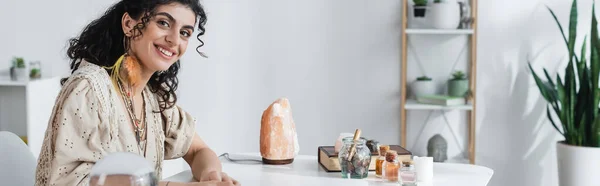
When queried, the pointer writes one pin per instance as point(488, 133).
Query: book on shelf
point(441, 100)
point(328, 158)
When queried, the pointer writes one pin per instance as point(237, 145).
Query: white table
point(306, 171)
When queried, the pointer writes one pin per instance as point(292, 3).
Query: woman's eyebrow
point(173, 19)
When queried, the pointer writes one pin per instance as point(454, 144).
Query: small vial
point(408, 174)
point(379, 162)
point(391, 166)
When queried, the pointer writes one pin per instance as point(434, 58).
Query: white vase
point(420, 88)
point(445, 15)
point(577, 166)
point(21, 74)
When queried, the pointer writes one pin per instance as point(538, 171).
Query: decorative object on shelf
point(458, 86)
point(441, 100)
point(437, 147)
point(574, 100)
point(444, 14)
point(354, 157)
point(465, 15)
point(420, 8)
point(278, 138)
point(19, 69)
point(36, 70)
point(418, 15)
point(424, 85)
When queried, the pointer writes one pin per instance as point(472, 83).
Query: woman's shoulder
point(91, 78)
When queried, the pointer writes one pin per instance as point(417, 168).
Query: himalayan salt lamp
point(278, 138)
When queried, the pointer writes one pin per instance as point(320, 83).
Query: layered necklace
point(138, 124)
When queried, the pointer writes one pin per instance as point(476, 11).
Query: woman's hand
point(218, 176)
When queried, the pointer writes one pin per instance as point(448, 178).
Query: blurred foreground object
point(123, 169)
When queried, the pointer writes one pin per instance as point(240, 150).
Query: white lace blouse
point(88, 122)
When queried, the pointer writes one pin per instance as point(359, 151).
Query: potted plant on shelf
point(419, 8)
point(424, 85)
point(19, 69)
point(574, 101)
point(444, 14)
point(458, 86)
point(418, 16)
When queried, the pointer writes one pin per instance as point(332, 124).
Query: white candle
point(424, 168)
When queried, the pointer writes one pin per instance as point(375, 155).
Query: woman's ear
point(127, 23)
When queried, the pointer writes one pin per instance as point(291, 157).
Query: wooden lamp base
point(277, 162)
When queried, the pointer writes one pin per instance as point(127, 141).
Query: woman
point(121, 95)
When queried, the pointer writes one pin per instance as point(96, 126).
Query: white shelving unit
point(414, 105)
point(26, 106)
point(439, 31)
point(409, 104)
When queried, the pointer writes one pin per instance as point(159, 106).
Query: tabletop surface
point(306, 171)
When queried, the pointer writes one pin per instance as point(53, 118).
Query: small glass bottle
point(408, 174)
point(379, 162)
point(391, 166)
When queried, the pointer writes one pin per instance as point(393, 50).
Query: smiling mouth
point(164, 51)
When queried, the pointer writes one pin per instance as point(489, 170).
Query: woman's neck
point(141, 84)
point(139, 81)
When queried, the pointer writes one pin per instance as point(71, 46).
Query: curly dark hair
point(101, 42)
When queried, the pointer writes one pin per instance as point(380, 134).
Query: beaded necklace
point(137, 124)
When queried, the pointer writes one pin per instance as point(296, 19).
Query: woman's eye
point(163, 23)
point(185, 33)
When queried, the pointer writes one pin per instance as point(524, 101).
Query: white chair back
point(17, 163)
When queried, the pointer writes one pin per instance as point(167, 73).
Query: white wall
point(339, 64)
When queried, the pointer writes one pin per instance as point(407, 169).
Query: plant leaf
point(559, 26)
point(571, 98)
point(595, 67)
point(595, 136)
point(581, 65)
point(543, 87)
point(552, 121)
point(551, 90)
point(562, 114)
point(572, 29)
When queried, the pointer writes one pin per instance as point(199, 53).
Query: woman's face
point(165, 37)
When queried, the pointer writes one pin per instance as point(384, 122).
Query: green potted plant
point(419, 8)
point(424, 85)
point(458, 86)
point(20, 69)
point(574, 100)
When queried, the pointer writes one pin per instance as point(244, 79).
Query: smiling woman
point(121, 96)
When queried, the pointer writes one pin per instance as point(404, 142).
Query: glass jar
point(354, 158)
point(391, 166)
point(35, 70)
point(408, 174)
point(109, 171)
point(379, 162)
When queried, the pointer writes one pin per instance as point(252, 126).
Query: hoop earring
point(126, 43)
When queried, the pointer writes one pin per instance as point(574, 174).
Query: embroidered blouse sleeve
point(179, 128)
point(77, 136)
